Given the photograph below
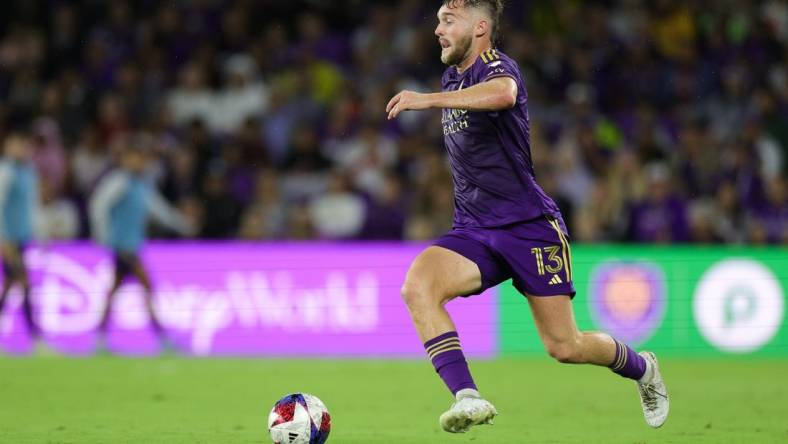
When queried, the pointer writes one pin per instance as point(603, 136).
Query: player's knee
point(417, 295)
point(566, 352)
point(411, 294)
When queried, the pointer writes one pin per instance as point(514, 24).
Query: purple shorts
point(535, 254)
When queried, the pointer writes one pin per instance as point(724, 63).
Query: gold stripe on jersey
point(490, 55)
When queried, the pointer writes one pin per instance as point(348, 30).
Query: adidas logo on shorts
point(556, 280)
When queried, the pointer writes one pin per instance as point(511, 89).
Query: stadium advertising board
point(675, 300)
point(332, 300)
point(240, 299)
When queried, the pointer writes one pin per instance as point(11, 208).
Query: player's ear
point(482, 28)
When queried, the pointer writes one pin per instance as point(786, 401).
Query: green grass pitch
point(179, 400)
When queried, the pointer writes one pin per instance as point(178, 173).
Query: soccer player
point(119, 212)
point(504, 225)
point(18, 206)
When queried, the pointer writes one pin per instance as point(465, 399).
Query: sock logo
point(738, 305)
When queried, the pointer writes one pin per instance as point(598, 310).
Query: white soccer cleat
point(654, 394)
point(467, 412)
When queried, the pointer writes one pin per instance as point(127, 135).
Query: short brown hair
point(494, 9)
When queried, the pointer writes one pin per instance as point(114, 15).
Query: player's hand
point(191, 229)
point(406, 100)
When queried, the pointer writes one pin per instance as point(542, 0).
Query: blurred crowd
point(652, 121)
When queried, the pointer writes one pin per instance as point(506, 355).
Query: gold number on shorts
point(537, 252)
point(552, 256)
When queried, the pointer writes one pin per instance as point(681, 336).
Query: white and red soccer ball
point(299, 418)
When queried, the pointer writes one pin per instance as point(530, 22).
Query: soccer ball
point(299, 418)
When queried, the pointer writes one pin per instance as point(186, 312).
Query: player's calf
point(565, 352)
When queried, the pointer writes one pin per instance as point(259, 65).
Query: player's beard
point(459, 51)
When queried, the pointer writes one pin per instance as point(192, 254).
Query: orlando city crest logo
point(628, 300)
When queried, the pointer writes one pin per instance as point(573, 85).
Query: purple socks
point(446, 355)
point(449, 361)
point(628, 363)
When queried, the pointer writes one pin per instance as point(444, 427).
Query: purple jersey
point(490, 152)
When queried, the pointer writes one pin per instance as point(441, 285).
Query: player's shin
point(27, 308)
point(103, 325)
point(447, 357)
point(4, 294)
point(154, 317)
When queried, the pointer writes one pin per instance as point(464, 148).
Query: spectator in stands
point(298, 87)
point(661, 217)
point(340, 212)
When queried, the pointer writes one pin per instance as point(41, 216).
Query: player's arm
point(6, 176)
point(497, 94)
point(107, 194)
point(165, 214)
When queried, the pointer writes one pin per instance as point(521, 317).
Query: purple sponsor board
point(325, 300)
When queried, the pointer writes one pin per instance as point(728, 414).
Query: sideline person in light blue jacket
point(19, 205)
point(120, 209)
